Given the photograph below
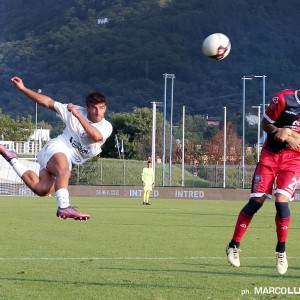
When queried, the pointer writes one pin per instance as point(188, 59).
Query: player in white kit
point(86, 131)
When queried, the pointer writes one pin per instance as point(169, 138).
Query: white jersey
point(79, 143)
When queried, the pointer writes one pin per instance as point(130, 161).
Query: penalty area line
point(107, 258)
point(125, 258)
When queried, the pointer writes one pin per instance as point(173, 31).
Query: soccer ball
point(216, 46)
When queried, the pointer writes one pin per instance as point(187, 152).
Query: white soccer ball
point(216, 46)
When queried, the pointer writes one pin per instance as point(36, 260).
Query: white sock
point(19, 168)
point(62, 196)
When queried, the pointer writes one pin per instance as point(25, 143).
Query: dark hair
point(94, 98)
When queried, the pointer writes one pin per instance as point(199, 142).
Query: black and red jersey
point(283, 112)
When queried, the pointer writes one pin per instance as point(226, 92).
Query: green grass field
point(173, 249)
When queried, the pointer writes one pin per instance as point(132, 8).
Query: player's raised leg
point(58, 165)
point(7, 154)
point(53, 179)
point(41, 186)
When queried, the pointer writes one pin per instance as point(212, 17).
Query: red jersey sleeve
point(276, 106)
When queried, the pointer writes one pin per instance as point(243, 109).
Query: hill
point(69, 48)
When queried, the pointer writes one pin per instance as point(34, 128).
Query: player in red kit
point(279, 164)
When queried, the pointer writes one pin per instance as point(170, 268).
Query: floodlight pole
point(36, 117)
point(154, 104)
point(182, 160)
point(153, 134)
point(164, 132)
point(225, 142)
point(258, 133)
point(263, 100)
point(172, 76)
point(243, 143)
point(244, 113)
point(166, 76)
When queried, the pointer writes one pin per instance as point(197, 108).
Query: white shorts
point(53, 146)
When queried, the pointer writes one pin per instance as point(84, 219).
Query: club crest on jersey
point(272, 106)
point(255, 187)
point(257, 178)
point(275, 100)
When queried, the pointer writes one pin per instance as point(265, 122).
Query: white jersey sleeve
point(81, 145)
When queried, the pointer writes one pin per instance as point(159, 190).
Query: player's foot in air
point(71, 212)
point(281, 263)
point(233, 256)
point(8, 155)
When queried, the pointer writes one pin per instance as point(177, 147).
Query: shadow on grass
point(236, 272)
point(227, 271)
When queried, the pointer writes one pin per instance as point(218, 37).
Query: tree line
point(59, 47)
point(203, 143)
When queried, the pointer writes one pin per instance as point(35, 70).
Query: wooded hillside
point(62, 48)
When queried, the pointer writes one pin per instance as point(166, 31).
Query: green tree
point(15, 130)
point(135, 129)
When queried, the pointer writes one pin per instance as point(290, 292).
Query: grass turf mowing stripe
point(133, 258)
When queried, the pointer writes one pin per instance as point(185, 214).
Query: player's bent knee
point(42, 191)
point(65, 173)
point(260, 200)
point(281, 198)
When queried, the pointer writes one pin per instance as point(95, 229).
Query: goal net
point(10, 182)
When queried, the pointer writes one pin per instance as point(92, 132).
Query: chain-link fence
point(128, 172)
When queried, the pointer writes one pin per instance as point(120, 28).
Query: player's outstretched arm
point(36, 97)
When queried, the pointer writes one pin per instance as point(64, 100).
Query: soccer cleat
point(233, 256)
point(147, 203)
point(144, 203)
point(8, 155)
point(281, 263)
point(71, 212)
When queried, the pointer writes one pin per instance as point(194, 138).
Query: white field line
point(131, 258)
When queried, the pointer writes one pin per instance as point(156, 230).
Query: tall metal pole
point(35, 132)
point(225, 142)
point(263, 99)
point(243, 134)
point(258, 133)
point(243, 144)
point(153, 134)
point(264, 103)
point(182, 160)
point(36, 118)
point(164, 133)
point(171, 130)
point(166, 76)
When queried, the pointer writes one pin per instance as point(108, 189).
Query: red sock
point(241, 226)
point(282, 228)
